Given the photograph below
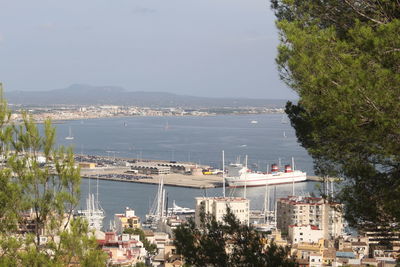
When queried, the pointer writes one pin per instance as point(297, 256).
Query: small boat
point(177, 210)
point(254, 122)
point(70, 136)
point(166, 126)
point(284, 119)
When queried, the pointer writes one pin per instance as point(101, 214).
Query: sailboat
point(284, 119)
point(94, 213)
point(70, 136)
point(269, 216)
point(157, 211)
point(166, 126)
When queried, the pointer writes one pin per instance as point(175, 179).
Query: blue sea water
point(195, 139)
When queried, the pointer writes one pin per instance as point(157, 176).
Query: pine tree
point(227, 243)
point(343, 60)
point(39, 189)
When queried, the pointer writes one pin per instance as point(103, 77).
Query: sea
point(264, 138)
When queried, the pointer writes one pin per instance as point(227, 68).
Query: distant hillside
point(79, 94)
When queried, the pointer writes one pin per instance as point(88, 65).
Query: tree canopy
point(39, 189)
point(343, 60)
point(227, 243)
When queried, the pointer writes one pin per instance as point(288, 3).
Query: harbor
point(179, 174)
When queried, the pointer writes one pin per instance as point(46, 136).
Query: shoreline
point(64, 120)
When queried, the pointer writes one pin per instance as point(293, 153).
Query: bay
point(264, 138)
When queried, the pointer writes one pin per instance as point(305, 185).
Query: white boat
point(94, 214)
point(177, 210)
point(157, 211)
point(284, 119)
point(254, 122)
point(70, 136)
point(241, 176)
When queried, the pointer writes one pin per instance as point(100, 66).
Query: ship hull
point(256, 179)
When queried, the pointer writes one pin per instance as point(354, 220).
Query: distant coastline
point(60, 113)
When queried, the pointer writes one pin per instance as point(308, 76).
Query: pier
point(173, 179)
point(126, 170)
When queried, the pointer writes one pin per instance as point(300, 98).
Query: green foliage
point(227, 243)
point(150, 248)
point(37, 199)
point(343, 59)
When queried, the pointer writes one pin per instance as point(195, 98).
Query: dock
point(174, 179)
point(106, 168)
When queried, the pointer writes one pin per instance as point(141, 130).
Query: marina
point(195, 180)
point(188, 140)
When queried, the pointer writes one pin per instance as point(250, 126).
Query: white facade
point(316, 260)
point(304, 233)
point(310, 211)
point(126, 220)
point(217, 207)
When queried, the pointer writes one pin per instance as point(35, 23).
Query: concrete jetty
point(105, 168)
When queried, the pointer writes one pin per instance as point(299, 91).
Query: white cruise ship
point(240, 176)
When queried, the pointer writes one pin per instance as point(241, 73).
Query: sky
point(217, 48)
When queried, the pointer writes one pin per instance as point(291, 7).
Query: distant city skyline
point(223, 48)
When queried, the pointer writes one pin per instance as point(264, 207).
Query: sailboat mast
point(89, 185)
point(162, 204)
point(266, 202)
point(293, 193)
point(276, 207)
point(266, 199)
point(97, 192)
point(223, 173)
point(245, 179)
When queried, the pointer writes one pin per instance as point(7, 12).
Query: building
point(122, 250)
point(304, 233)
point(217, 207)
point(150, 168)
point(315, 260)
point(310, 211)
point(382, 242)
point(87, 165)
point(126, 220)
point(303, 251)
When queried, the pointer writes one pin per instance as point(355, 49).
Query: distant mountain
point(79, 94)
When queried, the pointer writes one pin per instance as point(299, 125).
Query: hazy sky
point(193, 47)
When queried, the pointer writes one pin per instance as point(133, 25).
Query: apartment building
point(217, 207)
point(126, 220)
point(310, 211)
